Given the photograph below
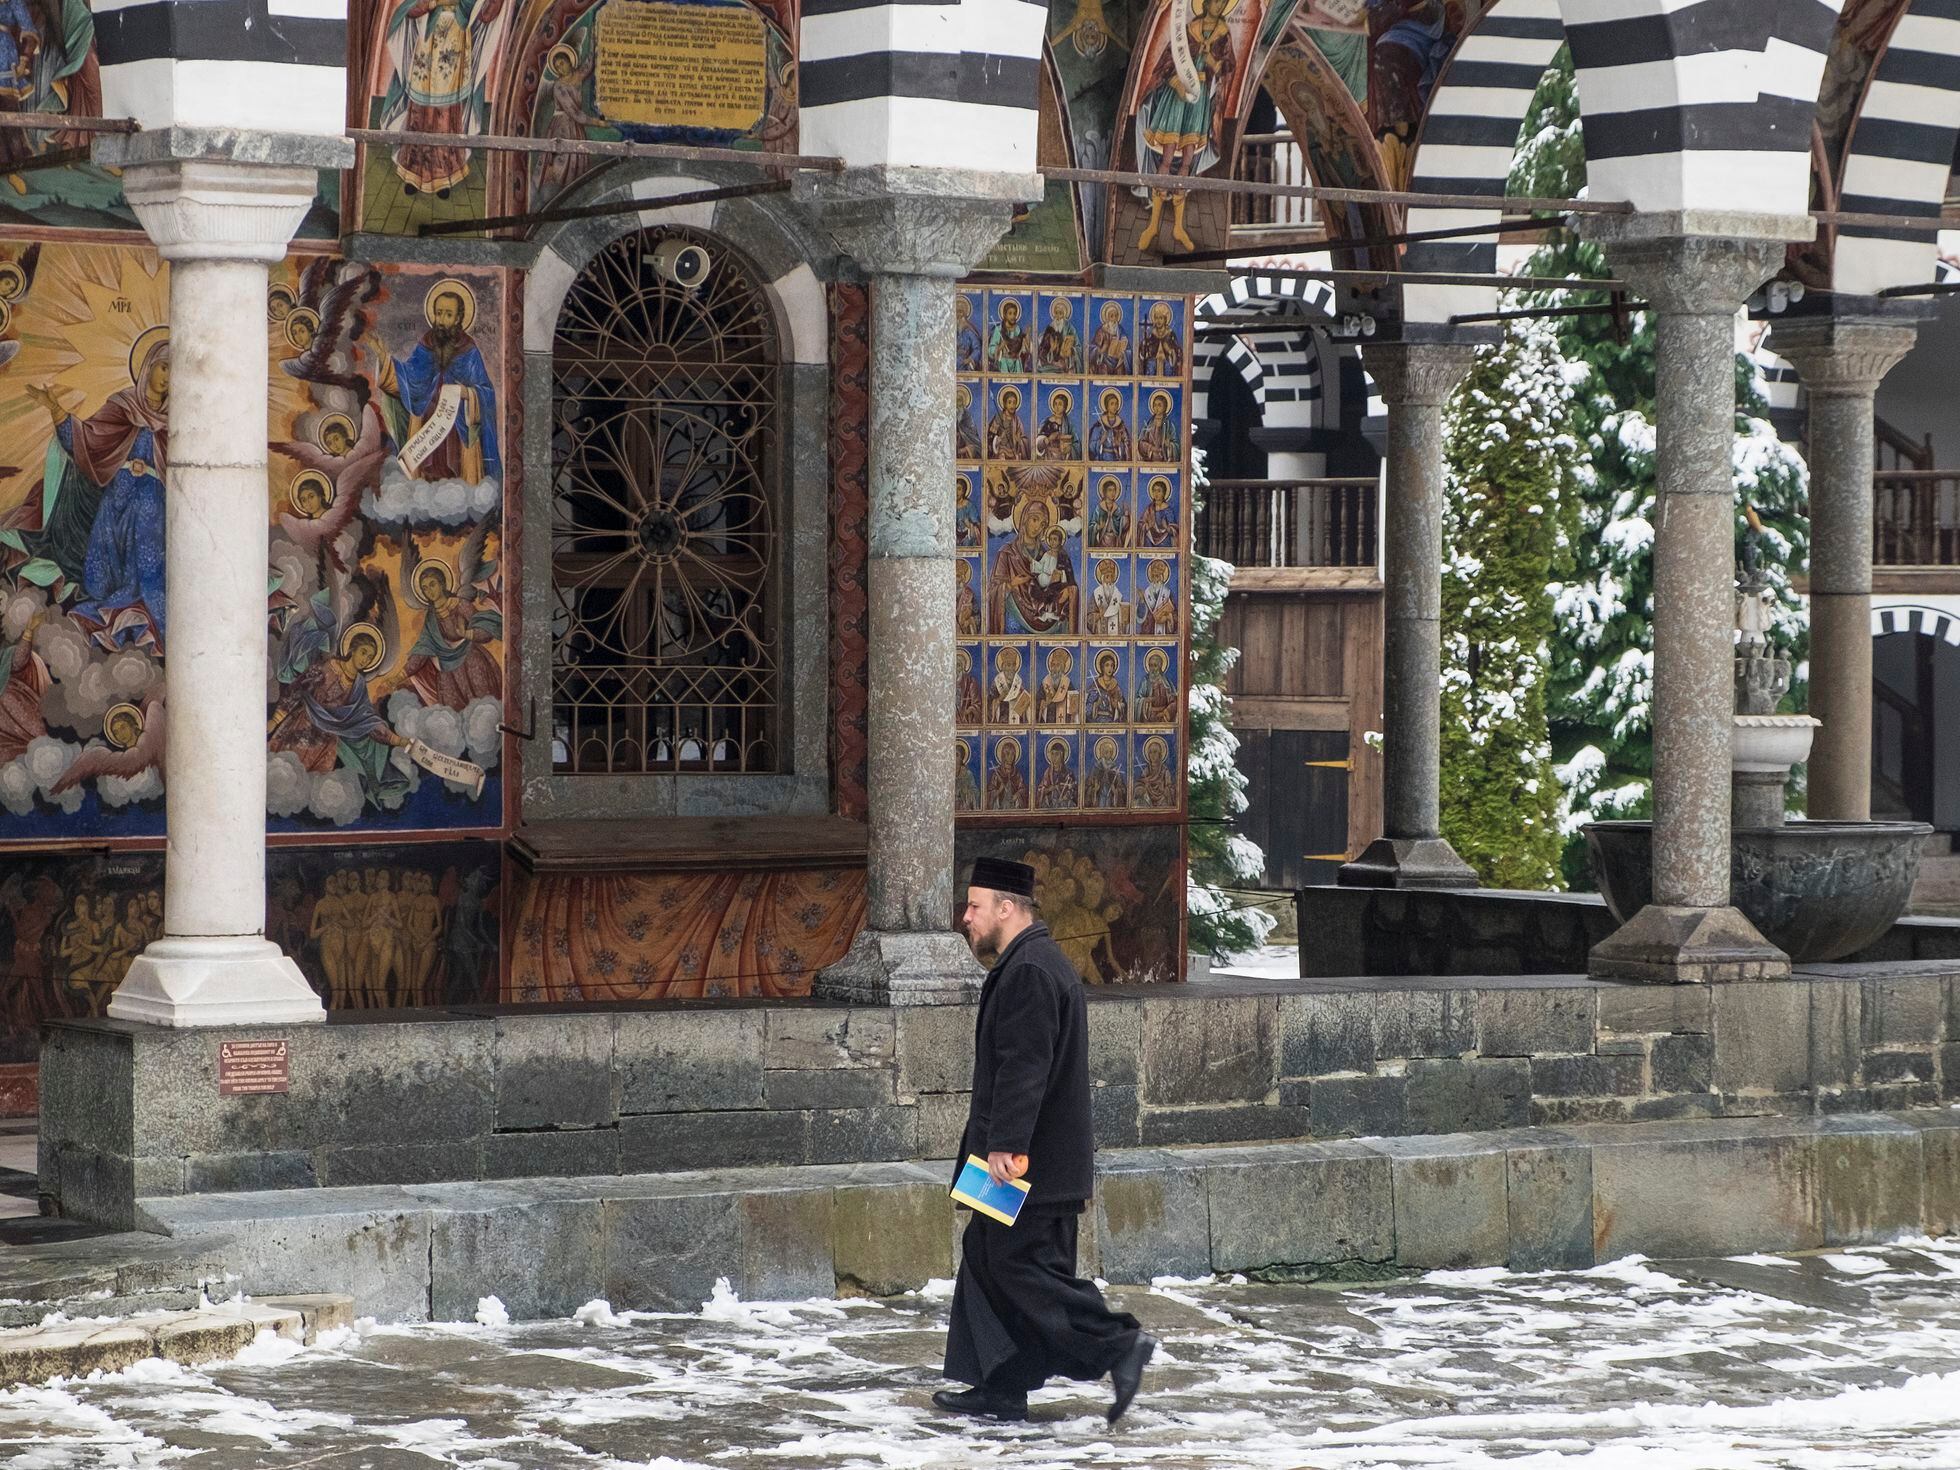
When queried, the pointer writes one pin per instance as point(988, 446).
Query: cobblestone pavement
point(1840, 1361)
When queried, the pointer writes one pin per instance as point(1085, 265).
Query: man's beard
point(445, 339)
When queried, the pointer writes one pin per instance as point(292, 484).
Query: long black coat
point(1031, 1070)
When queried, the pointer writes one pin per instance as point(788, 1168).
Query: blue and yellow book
point(976, 1190)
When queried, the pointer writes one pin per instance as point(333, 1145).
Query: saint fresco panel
point(1076, 420)
point(385, 590)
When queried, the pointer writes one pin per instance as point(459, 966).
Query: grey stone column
point(1416, 379)
point(914, 232)
point(1842, 359)
point(1696, 272)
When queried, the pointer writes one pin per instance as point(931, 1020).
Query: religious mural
point(1070, 606)
point(1410, 42)
point(1113, 897)
point(385, 591)
point(685, 935)
point(401, 925)
point(715, 72)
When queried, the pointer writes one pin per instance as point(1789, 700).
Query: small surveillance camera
point(682, 262)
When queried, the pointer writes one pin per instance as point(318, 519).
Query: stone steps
point(201, 1334)
point(1528, 1198)
point(113, 1275)
point(1939, 880)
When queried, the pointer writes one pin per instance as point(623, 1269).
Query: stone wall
point(1492, 931)
point(505, 1093)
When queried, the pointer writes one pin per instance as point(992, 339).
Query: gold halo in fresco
point(431, 566)
point(13, 280)
point(560, 60)
point(343, 421)
point(370, 636)
point(450, 286)
point(302, 319)
point(122, 725)
point(145, 343)
point(279, 303)
point(310, 480)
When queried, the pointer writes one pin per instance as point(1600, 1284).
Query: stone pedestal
point(1415, 378)
point(1696, 270)
point(914, 232)
point(219, 224)
point(1842, 359)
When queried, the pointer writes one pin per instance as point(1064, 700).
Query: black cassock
point(1020, 1313)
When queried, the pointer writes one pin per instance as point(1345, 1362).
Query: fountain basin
point(1816, 890)
point(1771, 743)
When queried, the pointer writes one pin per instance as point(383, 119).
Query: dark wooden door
point(1297, 792)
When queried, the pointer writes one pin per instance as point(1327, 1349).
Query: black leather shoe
point(980, 1404)
point(1127, 1375)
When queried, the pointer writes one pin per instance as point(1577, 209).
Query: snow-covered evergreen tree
point(1219, 857)
point(1603, 645)
point(1512, 500)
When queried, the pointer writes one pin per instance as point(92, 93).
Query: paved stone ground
point(1842, 1361)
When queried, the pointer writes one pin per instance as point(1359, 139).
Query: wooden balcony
point(1272, 158)
point(1288, 535)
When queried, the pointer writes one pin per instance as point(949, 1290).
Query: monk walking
point(1020, 1313)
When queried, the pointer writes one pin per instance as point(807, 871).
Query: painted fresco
point(385, 591)
point(1113, 897)
point(655, 936)
point(1070, 511)
point(388, 603)
point(1411, 41)
point(401, 925)
point(715, 72)
point(48, 64)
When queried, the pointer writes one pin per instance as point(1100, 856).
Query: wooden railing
point(1916, 518)
point(1903, 453)
point(1289, 523)
point(1272, 158)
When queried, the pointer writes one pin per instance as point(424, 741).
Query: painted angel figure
point(324, 502)
point(449, 663)
point(328, 715)
point(132, 743)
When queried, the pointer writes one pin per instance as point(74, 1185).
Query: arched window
point(665, 517)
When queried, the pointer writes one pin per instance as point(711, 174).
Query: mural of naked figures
point(1113, 897)
point(385, 589)
point(1071, 441)
point(401, 925)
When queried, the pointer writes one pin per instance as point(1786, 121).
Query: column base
point(888, 969)
point(1666, 945)
point(1408, 862)
point(215, 982)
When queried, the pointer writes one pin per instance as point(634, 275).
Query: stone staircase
point(101, 1303)
point(1938, 889)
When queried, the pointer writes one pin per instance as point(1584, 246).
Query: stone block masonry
point(478, 1095)
point(1529, 1199)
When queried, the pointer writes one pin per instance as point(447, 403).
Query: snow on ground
point(1268, 962)
point(1848, 1360)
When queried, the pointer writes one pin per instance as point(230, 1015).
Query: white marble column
point(1842, 358)
point(1416, 379)
point(915, 233)
point(219, 224)
point(1696, 272)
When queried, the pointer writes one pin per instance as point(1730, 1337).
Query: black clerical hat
point(1003, 876)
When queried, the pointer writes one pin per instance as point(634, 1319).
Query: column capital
point(216, 209)
point(1418, 372)
point(917, 221)
point(1843, 356)
point(1695, 262)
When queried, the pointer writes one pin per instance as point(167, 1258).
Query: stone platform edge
point(479, 1094)
point(1529, 1199)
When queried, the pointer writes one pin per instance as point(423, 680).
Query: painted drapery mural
point(386, 592)
point(1071, 439)
point(685, 935)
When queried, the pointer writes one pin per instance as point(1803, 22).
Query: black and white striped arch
point(277, 65)
point(1929, 622)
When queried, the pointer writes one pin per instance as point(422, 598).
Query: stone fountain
point(1816, 890)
